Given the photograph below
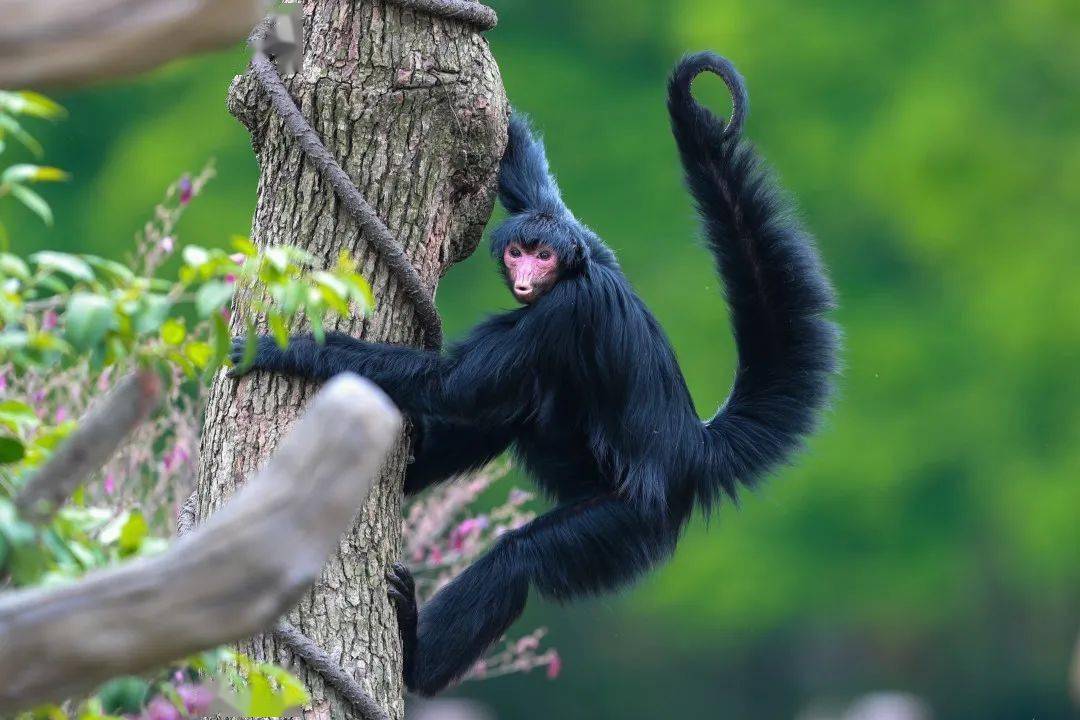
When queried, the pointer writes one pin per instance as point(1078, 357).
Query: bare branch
point(100, 432)
point(229, 578)
point(73, 42)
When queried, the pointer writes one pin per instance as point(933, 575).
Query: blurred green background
point(929, 542)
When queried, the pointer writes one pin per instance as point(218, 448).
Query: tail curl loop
point(681, 94)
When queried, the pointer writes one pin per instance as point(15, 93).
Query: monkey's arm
point(582, 548)
point(477, 382)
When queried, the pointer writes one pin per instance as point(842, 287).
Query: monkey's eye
point(515, 252)
point(544, 255)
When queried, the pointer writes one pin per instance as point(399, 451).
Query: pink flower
point(161, 709)
point(175, 458)
point(435, 556)
point(110, 483)
point(3, 382)
point(186, 190)
point(197, 698)
point(554, 666)
point(527, 643)
point(238, 258)
point(167, 244)
point(230, 278)
point(519, 497)
point(226, 313)
point(103, 379)
point(48, 322)
point(61, 415)
point(466, 529)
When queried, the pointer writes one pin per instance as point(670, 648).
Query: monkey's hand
point(402, 592)
point(268, 355)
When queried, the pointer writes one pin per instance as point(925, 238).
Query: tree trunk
point(414, 110)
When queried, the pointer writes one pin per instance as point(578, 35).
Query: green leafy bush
point(70, 325)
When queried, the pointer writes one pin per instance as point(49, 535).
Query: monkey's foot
point(401, 589)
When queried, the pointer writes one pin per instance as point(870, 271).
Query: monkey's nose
point(522, 288)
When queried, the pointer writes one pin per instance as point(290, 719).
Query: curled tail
point(776, 289)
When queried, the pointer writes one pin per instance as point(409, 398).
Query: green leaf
point(195, 256)
point(220, 338)
point(34, 202)
point(360, 291)
point(154, 310)
point(11, 450)
point(27, 561)
point(279, 329)
point(213, 296)
point(12, 340)
point(289, 296)
point(18, 414)
point(316, 311)
point(54, 284)
point(14, 266)
point(251, 340)
point(121, 273)
point(26, 102)
point(24, 172)
point(278, 257)
point(244, 245)
point(199, 353)
point(133, 532)
point(27, 140)
point(334, 291)
point(293, 693)
point(173, 332)
point(66, 263)
point(47, 712)
point(4, 552)
point(124, 695)
point(87, 318)
point(264, 701)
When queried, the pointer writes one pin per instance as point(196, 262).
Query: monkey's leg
point(443, 449)
point(579, 549)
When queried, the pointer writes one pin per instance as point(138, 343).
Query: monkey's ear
point(525, 183)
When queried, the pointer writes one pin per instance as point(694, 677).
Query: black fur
point(585, 388)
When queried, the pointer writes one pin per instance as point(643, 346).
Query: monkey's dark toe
point(401, 589)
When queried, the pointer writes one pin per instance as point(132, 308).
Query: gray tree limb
point(101, 431)
point(233, 576)
point(73, 42)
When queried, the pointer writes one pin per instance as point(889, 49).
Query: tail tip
point(681, 97)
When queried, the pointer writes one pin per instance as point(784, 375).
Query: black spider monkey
point(582, 383)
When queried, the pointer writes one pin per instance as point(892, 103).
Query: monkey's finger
point(403, 576)
point(401, 579)
point(236, 356)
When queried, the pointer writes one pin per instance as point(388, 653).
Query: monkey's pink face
point(530, 272)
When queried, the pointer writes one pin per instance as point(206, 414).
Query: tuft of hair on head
point(525, 182)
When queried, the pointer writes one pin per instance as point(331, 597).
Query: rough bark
point(413, 108)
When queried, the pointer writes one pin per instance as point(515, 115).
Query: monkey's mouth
point(526, 298)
